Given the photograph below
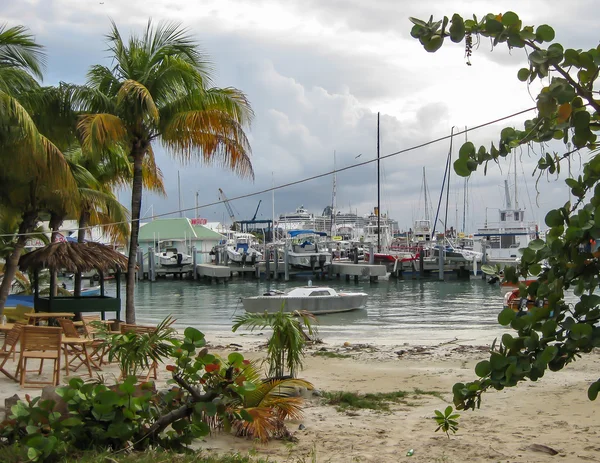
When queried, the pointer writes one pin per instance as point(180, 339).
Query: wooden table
point(79, 348)
point(6, 327)
point(35, 318)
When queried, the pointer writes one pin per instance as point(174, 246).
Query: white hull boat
point(317, 300)
point(243, 244)
point(170, 257)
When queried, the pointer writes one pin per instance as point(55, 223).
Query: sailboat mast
point(426, 199)
point(448, 185)
point(332, 229)
point(273, 207)
point(378, 193)
point(179, 194)
point(516, 200)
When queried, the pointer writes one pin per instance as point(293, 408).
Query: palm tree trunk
point(136, 206)
point(12, 263)
point(55, 223)
point(83, 218)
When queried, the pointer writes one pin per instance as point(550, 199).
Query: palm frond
point(18, 49)
point(134, 91)
point(152, 176)
point(101, 131)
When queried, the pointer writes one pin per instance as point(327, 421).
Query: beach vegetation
point(330, 354)
point(564, 128)
point(379, 401)
point(13, 454)
point(286, 346)
point(447, 420)
point(206, 393)
point(159, 90)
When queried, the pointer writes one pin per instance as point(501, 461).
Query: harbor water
point(397, 312)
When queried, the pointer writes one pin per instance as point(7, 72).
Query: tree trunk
point(136, 206)
point(55, 223)
point(83, 218)
point(12, 263)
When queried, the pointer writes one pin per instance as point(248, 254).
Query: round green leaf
point(554, 218)
point(536, 245)
point(506, 316)
point(461, 168)
point(523, 74)
point(593, 390)
point(434, 44)
point(510, 19)
point(235, 358)
point(457, 29)
point(193, 334)
point(544, 33)
point(493, 26)
point(483, 368)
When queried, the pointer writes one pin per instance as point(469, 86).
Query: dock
point(349, 269)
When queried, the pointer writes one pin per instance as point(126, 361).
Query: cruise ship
point(348, 225)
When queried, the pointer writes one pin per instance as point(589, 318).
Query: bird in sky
point(358, 156)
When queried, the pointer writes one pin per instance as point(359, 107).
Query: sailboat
point(380, 233)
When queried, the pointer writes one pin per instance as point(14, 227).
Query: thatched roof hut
point(74, 257)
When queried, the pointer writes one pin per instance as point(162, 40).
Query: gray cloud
point(316, 94)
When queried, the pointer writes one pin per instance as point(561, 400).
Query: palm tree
point(158, 89)
point(285, 348)
point(33, 167)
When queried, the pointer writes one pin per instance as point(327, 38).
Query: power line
point(298, 182)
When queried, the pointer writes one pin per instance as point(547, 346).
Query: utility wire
point(297, 182)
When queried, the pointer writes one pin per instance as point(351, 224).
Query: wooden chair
point(78, 349)
point(43, 343)
point(140, 330)
point(10, 348)
point(18, 313)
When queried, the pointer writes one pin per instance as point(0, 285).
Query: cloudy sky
point(317, 72)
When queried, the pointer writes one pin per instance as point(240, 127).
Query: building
point(180, 233)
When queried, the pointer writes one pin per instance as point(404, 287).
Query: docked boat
point(305, 251)
point(515, 302)
point(172, 254)
point(91, 291)
point(243, 244)
point(317, 300)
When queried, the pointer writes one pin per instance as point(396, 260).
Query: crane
point(256, 212)
point(223, 198)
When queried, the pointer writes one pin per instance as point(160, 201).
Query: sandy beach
point(554, 412)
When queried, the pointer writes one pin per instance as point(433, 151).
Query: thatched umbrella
point(74, 257)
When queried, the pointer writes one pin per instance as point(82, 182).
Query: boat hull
point(317, 305)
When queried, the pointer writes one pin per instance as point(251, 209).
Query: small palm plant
point(272, 402)
point(286, 345)
point(135, 351)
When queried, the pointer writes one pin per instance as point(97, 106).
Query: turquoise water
point(412, 311)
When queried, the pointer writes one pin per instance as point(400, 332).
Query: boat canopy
point(294, 233)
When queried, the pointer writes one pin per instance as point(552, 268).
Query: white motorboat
point(172, 254)
point(305, 251)
point(317, 300)
point(243, 244)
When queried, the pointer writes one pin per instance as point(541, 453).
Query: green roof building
point(179, 233)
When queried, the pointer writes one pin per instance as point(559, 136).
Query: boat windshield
point(322, 292)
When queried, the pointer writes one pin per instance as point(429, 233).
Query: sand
point(552, 412)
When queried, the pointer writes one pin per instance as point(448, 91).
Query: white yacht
point(243, 244)
point(305, 251)
point(173, 253)
point(502, 240)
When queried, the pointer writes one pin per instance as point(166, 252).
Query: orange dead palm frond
point(102, 131)
point(152, 175)
point(137, 91)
